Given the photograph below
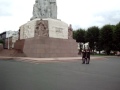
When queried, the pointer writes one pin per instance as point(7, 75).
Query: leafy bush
point(1, 41)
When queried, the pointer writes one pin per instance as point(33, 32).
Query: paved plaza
point(100, 74)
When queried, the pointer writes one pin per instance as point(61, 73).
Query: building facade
point(9, 38)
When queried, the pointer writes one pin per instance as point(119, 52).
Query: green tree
point(92, 36)
point(117, 36)
point(99, 46)
point(114, 46)
point(74, 35)
point(79, 36)
point(1, 41)
point(106, 36)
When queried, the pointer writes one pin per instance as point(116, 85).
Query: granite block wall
point(45, 47)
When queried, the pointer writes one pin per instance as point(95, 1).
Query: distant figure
point(87, 56)
point(83, 56)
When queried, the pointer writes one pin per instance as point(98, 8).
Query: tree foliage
point(79, 35)
point(92, 36)
point(106, 36)
point(117, 36)
point(1, 41)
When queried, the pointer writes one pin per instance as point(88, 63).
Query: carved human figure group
point(45, 9)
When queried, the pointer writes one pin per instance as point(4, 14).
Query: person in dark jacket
point(83, 56)
point(87, 56)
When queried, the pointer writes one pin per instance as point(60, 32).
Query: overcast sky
point(79, 13)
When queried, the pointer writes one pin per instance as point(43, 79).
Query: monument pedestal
point(46, 38)
point(44, 47)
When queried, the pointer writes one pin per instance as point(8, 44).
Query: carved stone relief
point(41, 28)
point(45, 9)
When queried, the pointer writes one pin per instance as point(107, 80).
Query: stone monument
point(45, 36)
point(45, 9)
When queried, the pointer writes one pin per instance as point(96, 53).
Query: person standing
point(87, 56)
point(83, 56)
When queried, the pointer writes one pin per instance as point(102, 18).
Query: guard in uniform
point(87, 56)
point(83, 56)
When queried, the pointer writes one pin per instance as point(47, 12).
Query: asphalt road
point(98, 75)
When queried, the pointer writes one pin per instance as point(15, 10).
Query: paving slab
point(100, 74)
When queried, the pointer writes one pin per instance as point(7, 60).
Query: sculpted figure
point(53, 7)
point(70, 31)
point(45, 9)
point(36, 10)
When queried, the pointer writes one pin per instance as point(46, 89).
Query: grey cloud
point(110, 17)
point(75, 27)
point(103, 18)
point(5, 8)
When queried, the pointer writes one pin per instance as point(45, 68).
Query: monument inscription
point(59, 30)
